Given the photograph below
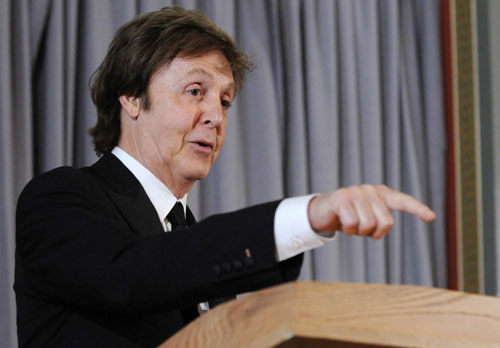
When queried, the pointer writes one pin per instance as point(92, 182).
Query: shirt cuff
point(293, 233)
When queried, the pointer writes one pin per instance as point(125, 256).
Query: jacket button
point(217, 270)
point(249, 261)
point(237, 265)
point(226, 267)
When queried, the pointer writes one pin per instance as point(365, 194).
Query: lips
point(203, 144)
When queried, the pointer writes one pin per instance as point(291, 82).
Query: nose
point(213, 113)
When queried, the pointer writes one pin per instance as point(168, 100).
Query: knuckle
point(381, 232)
point(342, 194)
point(350, 227)
point(355, 192)
point(389, 224)
point(368, 187)
point(386, 228)
point(352, 224)
point(369, 224)
point(382, 188)
point(378, 236)
point(366, 230)
point(355, 188)
point(349, 231)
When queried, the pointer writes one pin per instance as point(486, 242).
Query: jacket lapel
point(128, 195)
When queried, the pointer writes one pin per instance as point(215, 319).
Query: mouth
point(203, 145)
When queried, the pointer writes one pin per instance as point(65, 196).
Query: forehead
point(212, 65)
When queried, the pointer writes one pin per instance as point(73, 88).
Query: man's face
point(182, 133)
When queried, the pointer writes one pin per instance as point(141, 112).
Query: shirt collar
point(158, 193)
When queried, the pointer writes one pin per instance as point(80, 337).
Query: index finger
point(401, 201)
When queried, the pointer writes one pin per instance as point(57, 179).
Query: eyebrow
point(196, 70)
point(202, 71)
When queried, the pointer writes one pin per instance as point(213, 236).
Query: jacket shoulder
point(62, 184)
point(60, 178)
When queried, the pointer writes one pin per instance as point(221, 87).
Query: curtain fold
point(344, 92)
point(15, 142)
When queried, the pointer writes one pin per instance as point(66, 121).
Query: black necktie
point(176, 217)
point(178, 221)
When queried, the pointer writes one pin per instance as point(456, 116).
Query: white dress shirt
point(292, 232)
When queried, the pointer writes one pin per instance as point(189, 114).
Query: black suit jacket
point(95, 269)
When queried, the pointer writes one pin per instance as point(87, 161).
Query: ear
point(131, 105)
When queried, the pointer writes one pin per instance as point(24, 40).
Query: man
point(105, 255)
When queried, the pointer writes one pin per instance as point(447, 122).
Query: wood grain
point(309, 314)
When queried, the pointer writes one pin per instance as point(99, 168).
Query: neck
point(178, 187)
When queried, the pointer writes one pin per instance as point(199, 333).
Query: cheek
point(167, 137)
point(174, 126)
point(180, 120)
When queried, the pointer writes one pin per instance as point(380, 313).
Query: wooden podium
point(309, 314)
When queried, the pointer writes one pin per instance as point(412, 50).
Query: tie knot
point(176, 217)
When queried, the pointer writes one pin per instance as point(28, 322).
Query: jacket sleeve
point(76, 249)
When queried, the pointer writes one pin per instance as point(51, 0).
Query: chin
point(197, 175)
point(196, 170)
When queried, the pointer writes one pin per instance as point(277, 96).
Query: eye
point(225, 104)
point(195, 92)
